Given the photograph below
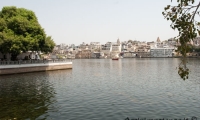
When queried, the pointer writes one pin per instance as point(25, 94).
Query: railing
point(34, 61)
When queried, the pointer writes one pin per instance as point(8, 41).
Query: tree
point(49, 45)
point(130, 41)
point(182, 17)
point(20, 31)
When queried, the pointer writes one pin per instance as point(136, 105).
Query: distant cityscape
point(124, 49)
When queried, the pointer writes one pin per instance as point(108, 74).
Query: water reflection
point(25, 96)
point(103, 89)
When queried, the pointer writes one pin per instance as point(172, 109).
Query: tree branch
point(190, 7)
point(195, 12)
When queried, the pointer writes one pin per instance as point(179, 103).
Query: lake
point(104, 89)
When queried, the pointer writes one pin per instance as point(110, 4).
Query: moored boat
point(116, 57)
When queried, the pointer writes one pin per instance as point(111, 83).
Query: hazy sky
point(77, 21)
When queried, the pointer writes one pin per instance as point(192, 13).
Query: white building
point(116, 48)
point(106, 49)
point(83, 46)
point(29, 55)
point(161, 50)
point(95, 46)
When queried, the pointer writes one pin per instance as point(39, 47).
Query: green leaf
point(21, 31)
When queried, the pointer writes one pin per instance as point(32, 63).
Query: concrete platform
point(23, 68)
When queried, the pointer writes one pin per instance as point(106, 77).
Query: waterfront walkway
point(12, 67)
point(34, 62)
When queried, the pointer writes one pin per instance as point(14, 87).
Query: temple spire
point(118, 41)
point(158, 39)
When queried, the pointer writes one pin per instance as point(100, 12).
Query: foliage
point(21, 32)
point(182, 17)
point(196, 49)
point(49, 45)
point(130, 41)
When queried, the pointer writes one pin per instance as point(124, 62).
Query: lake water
point(103, 89)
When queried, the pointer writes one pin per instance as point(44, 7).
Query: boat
point(116, 57)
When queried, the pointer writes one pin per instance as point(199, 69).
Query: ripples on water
point(102, 89)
